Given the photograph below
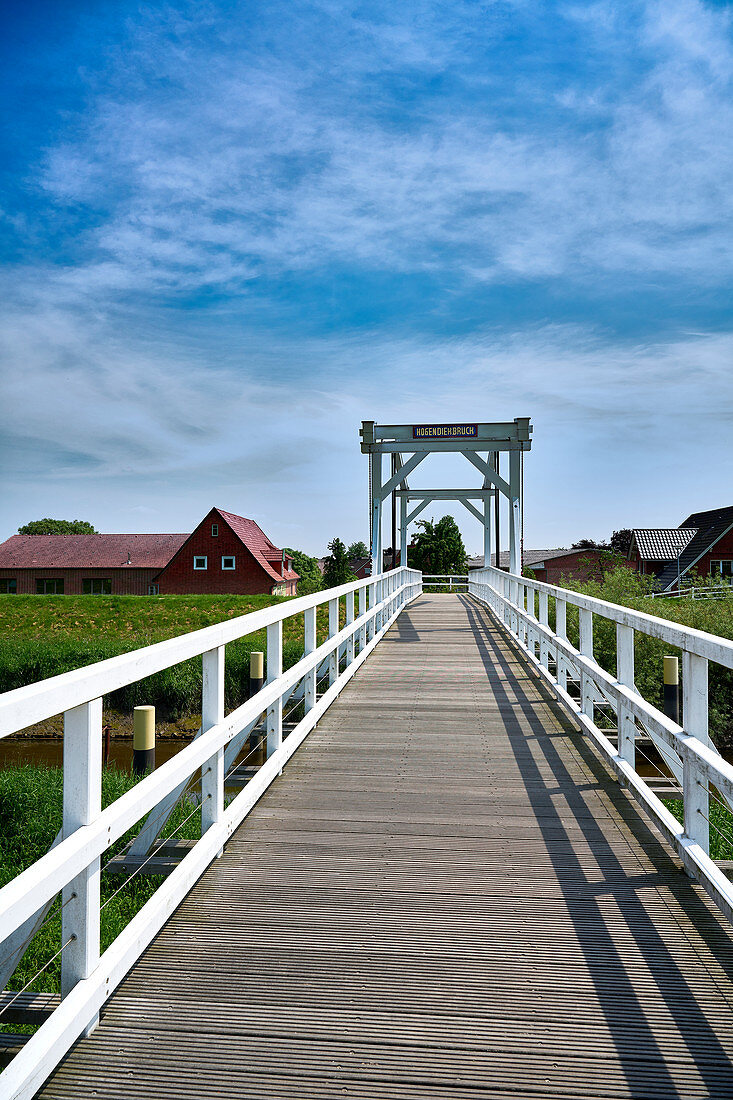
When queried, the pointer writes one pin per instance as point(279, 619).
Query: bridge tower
point(410, 444)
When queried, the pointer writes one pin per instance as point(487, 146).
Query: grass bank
point(43, 636)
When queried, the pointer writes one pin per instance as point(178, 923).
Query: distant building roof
point(711, 526)
point(89, 551)
point(662, 543)
point(529, 557)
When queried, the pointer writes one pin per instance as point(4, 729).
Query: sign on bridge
point(445, 431)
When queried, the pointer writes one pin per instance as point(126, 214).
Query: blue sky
point(232, 231)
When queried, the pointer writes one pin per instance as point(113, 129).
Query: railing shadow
point(610, 976)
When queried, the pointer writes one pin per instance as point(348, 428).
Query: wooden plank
point(445, 893)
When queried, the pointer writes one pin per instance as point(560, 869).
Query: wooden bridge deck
point(445, 895)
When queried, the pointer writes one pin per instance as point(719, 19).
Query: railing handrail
point(699, 642)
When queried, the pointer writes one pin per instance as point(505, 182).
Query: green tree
point(57, 527)
point(357, 550)
point(311, 579)
point(621, 540)
point(439, 547)
point(338, 570)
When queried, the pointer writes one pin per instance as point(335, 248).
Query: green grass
point(721, 826)
point(43, 636)
point(30, 817)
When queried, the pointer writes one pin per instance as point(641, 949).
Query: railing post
point(212, 712)
point(544, 621)
point(625, 675)
point(349, 621)
point(274, 672)
point(586, 648)
point(82, 804)
point(309, 638)
point(362, 609)
point(372, 624)
point(333, 627)
point(561, 629)
point(696, 799)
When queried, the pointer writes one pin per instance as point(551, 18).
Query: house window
point(96, 586)
point(200, 562)
point(723, 569)
point(227, 563)
point(153, 589)
point(49, 588)
point(215, 529)
point(8, 585)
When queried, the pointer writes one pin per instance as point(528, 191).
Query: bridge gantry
point(445, 893)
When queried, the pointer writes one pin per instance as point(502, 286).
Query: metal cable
point(36, 975)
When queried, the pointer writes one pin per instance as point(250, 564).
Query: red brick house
point(702, 543)
point(228, 554)
point(225, 554)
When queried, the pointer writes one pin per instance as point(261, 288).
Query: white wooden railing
point(72, 867)
point(454, 582)
point(687, 749)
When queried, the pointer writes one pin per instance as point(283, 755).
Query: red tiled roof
point(258, 544)
point(92, 551)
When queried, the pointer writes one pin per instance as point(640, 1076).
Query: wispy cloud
point(233, 164)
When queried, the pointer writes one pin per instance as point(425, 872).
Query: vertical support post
point(403, 531)
point(212, 712)
point(561, 629)
point(544, 621)
point(695, 794)
point(488, 505)
point(372, 626)
point(274, 672)
point(82, 804)
point(333, 626)
point(349, 621)
point(515, 513)
point(375, 459)
point(586, 648)
point(625, 675)
point(362, 609)
point(309, 638)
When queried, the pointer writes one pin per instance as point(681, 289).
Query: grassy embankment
point(42, 636)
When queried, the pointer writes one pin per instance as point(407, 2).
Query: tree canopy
point(621, 540)
point(439, 547)
point(311, 579)
point(57, 527)
point(357, 550)
point(337, 571)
